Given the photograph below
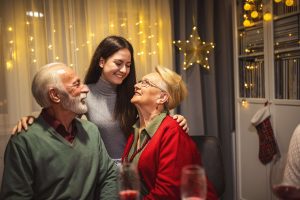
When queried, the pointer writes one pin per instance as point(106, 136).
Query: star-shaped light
point(194, 50)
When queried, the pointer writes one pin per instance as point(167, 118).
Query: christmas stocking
point(267, 144)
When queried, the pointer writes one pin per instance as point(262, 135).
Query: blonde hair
point(176, 88)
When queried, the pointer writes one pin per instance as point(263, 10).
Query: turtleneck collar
point(105, 87)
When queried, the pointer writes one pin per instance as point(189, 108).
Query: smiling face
point(117, 67)
point(74, 92)
point(149, 92)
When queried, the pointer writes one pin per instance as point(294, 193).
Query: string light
point(92, 35)
point(244, 103)
point(267, 16)
point(194, 50)
point(252, 12)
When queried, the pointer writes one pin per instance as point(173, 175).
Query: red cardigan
point(163, 158)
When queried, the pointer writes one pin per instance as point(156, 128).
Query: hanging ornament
point(252, 12)
point(194, 50)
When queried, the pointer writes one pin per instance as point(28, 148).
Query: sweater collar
point(105, 87)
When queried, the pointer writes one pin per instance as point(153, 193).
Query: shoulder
point(296, 135)
point(34, 132)
point(170, 127)
point(297, 131)
point(170, 123)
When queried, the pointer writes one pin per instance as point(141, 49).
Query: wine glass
point(193, 183)
point(128, 181)
point(282, 187)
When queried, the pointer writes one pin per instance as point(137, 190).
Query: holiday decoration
point(267, 143)
point(287, 2)
point(252, 12)
point(194, 50)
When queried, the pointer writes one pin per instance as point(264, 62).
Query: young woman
point(110, 78)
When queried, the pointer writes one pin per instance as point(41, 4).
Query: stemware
point(193, 183)
point(128, 181)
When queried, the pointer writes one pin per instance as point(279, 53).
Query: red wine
point(128, 195)
point(287, 192)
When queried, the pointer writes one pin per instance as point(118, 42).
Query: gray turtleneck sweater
point(101, 103)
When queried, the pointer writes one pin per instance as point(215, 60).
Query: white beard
point(75, 104)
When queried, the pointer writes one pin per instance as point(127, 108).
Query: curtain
point(209, 108)
point(36, 32)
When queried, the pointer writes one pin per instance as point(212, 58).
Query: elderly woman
point(159, 147)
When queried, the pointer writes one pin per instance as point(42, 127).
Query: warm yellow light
point(244, 103)
point(247, 6)
point(9, 29)
point(277, 1)
point(247, 23)
point(9, 65)
point(289, 2)
point(267, 16)
point(254, 14)
point(57, 58)
point(34, 61)
point(11, 42)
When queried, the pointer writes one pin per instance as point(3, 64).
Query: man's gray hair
point(47, 77)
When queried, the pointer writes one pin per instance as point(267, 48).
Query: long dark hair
point(124, 110)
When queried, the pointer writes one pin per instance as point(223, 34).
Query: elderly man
point(60, 156)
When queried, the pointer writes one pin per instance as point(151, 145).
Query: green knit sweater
point(41, 164)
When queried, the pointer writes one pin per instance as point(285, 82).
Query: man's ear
point(101, 62)
point(163, 98)
point(54, 96)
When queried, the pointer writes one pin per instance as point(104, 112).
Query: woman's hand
point(182, 122)
point(23, 124)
